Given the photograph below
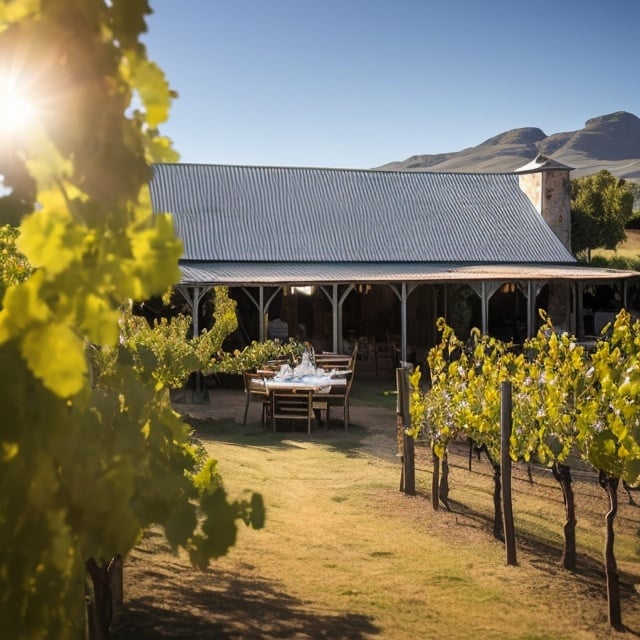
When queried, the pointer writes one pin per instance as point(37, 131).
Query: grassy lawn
point(345, 555)
point(374, 393)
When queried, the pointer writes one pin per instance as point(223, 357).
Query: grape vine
point(89, 455)
point(567, 404)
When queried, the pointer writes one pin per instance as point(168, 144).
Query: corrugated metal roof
point(253, 274)
point(288, 214)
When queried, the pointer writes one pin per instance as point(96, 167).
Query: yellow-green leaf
point(23, 306)
point(157, 251)
point(100, 320)
point(15, 10)
point(50, 240)
point(56, 355)
point(153, 89)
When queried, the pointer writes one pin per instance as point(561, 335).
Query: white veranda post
point(193, 296)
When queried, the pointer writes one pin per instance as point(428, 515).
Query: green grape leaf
point(56, 355)
point(100, 320)
point(49, 240)
point(158, 250)
point(153, 89)
point(632, 471)
point(207, 480)
point(89, 462)
point(160, 149)
point(23, 306)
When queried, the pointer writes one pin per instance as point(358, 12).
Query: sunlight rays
point(17, 107)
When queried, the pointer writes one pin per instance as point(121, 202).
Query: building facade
point(336, 255)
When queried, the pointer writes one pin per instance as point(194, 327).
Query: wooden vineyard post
point(407, 455)
point(505, 464)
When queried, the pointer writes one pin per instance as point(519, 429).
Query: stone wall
point(550, 192)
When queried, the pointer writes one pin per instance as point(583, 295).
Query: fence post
point(407, 456)
point(505, 467)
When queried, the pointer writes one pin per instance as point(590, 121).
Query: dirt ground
point(242, 598)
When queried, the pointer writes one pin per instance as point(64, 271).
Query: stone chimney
point(547, 184)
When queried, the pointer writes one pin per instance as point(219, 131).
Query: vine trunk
point(435, 481)
point(562, 474)
point(610, 484)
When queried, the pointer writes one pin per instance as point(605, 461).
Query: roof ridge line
point(339, 169)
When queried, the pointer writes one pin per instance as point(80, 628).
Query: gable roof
point(542, 163)
point(303, 215)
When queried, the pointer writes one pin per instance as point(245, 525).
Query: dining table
point(318, 383)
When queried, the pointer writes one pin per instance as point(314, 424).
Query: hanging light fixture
point(305, 291)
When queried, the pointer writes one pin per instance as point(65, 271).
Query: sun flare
point(17, 109)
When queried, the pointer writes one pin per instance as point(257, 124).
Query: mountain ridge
point(610, 141)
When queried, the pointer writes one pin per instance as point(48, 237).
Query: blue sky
point(358, 83)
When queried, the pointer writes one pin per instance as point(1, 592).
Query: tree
point(88, 458)
point(601, 206)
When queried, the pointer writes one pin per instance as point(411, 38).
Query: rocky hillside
point(609, 142)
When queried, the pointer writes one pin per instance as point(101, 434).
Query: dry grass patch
point(345, 555)
point(630, 248)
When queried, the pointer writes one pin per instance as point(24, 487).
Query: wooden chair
point(255, 391)
point(339, 397)
point(292, 406)
point(385, 359)
point(275, 363)
point(354, 355)
point(366, 348)
point(332, 360)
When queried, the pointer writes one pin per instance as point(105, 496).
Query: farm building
point(339, 255)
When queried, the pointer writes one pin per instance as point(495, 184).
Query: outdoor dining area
point(302, 393)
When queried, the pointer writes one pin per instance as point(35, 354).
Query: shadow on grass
point(589, 571)
point(222, 605)
point(255, 435)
